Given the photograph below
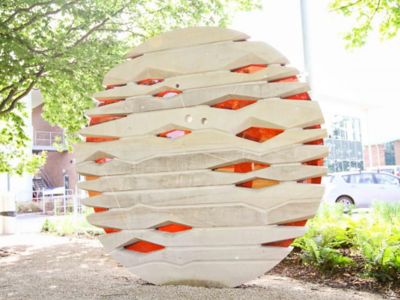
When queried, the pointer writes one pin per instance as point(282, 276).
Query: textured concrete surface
point(38, 266)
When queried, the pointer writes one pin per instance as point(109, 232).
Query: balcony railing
point(44, 140)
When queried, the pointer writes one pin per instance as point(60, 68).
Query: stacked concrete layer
point(202, 159)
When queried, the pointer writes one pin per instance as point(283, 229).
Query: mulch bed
point(351, 277)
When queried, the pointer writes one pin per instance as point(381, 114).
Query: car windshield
point(386, 179)
point(327, 179)
point(363, 178)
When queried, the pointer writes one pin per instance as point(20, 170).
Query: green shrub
point(70, 225)
point(48, 226)
point(335, 237)
point(378, 241)
point(28, 207)
point(328, 232)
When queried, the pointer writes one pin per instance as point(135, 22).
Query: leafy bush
point(70, 225)
point(28, 207)
point(378, 241)
point(335, 238)
point(327, 233)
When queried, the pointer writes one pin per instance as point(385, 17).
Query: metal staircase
point(41, 182)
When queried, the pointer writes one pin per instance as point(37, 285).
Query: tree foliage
point(64, 48)
point(384, 14)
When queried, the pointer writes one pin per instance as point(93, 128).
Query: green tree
point(368, 14)
point(64, 48)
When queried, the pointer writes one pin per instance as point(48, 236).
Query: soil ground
point(40, 266)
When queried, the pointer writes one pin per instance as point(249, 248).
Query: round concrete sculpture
point(203, 158)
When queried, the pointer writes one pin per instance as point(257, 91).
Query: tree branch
point(12, 99)
point(6, 88)
point(46, 14)
point(88, 33)
point(26, 9)
point(348, 5)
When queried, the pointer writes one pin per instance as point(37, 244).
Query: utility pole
point(306, 41)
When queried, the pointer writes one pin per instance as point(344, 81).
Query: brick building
point(386, 154)
point(59, 168)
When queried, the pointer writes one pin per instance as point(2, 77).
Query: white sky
point(363, 82)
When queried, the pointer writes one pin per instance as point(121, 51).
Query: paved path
point(30, 223)
point(38, 266)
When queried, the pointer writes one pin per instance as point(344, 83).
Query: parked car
point(361, 188)
point(394, 170)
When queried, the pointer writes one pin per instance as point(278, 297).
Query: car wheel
point(345, 200)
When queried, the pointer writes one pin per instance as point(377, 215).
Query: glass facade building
point(344, 143)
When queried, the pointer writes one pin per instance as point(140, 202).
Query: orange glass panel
point(301, 96)
point(287, 79)
point(174, 228)
point(284, 243)
point(168, 93)
point(144, 247)
point(109, 101)
point(93, 193)
point(257, 183)
point(295, 223)
point(316, 142)
point(233, 104)
point(104, 118)
point(150, 81)
point(91, 177)
point(111, 86)
point(316, 180)
point(259, 134)
point(313, 127)
point(98, 139)
point(99, 209)
point(174, 133)
point(243, 167)
point(111, 230)
point(250, 68)
point(102, 160)
point(315, 162)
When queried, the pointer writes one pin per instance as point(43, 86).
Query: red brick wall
point(56, 161)
point(377, 155)
point(38, 123)
point(397, 152)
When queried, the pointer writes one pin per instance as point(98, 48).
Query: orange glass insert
point(108, 101)
point(286, 79)
point(111, 86)
point(150, 81)
point(102, 160)
point(258, 183)
point(250, 68)
point(234, 104)
point(174, 228)
point(144, 247)
point(315, 162)
point(284, 243)
point(295, 223)
point(98, 139)
point(111, 230)
point(243, 167)
point(168, 93)
point(301, 96)
point(174, 133)
point(104, 118)
point(259, 134)
point(99, 209)
point(316, 142)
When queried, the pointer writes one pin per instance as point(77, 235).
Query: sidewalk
point(39, 266)
point(30, 223)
